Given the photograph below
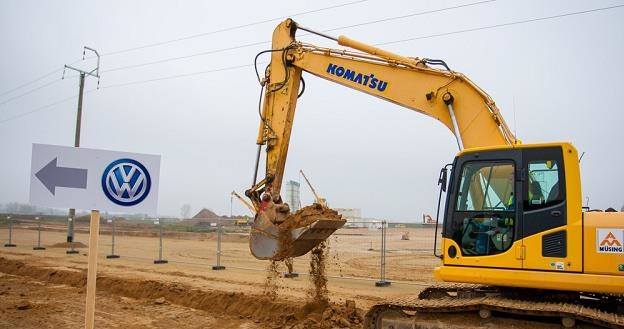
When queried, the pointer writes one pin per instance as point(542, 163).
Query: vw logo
point(126, 182)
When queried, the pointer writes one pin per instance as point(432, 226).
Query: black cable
point(266, 124)
point(436, 62)
point(302, 87)
point(284, 62)
point(256, 61)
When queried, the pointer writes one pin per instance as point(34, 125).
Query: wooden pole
point(94, 232)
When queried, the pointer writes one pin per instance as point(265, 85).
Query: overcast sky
point(554, 80)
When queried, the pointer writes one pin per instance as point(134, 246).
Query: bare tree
point(185, 211)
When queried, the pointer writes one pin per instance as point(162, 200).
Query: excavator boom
point(445, 95)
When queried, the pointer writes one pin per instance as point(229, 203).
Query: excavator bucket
point(270, 241)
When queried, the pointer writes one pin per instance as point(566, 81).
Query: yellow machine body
point(582, 251)
point(513, 214)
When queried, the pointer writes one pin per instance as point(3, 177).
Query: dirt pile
point(303, 217)
point(308, 215)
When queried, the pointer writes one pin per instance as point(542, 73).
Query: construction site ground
point(46, 288)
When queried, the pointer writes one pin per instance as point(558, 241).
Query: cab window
point(543, 185)
point(486, 205)
point(486, 186)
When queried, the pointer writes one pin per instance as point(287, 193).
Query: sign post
point(94, 180)
point(94, 232)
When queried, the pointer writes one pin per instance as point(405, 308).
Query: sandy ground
point(52, 282)
point(30, 303)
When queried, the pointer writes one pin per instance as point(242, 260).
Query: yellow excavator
point(515, 237)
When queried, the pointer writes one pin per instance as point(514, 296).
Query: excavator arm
point(445, 95)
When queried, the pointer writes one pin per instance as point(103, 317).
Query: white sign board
point(610, 241)
point(91, 179)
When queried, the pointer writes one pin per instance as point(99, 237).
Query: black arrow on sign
point(52, 177)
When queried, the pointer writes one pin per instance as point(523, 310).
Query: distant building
point(354, 218)
point(292, 196)
point(350, 214)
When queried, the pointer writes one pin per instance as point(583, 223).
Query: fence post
point(382, 269)
point(38, 247)
point(160, 260)
point(70, 239)
point(218, 266)
point(112, 255)
point(10, 244)
point(289, 265)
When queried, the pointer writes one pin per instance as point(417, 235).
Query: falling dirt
point(318, 292)
point(271, 283)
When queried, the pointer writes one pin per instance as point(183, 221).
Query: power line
point(405, 16)
point(186, 38)
point(34, 80)
point(8, 100)
point(501, 25)
point(31, 82)
point(38, 109)
point(210, 52)
point(28, 92)
point(185, 57)
point(231, 28)
point(177, 76)
point(385, 43)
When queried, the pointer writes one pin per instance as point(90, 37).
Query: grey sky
point(554, 80)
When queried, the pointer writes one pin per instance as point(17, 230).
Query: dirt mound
point(308, 215)
point(273, 312)
point(68, 245)
point(205, 214)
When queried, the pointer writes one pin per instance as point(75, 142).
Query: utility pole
point(94, 73)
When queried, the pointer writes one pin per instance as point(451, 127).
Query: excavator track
point(485, 300)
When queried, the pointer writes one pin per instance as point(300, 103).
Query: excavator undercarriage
point(603, 310)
